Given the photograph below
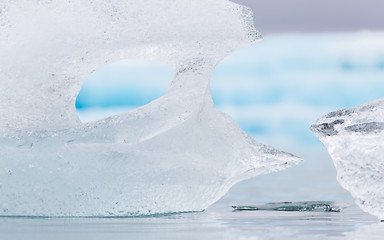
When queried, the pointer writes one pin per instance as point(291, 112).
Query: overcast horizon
point(272, 17)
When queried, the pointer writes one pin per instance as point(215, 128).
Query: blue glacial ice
point(354, 138)
point(177, 153)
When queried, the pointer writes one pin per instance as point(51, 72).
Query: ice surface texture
point(178, 153)
point(354, 138)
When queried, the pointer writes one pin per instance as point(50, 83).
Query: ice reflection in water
point(309, 206)
point(218, 222)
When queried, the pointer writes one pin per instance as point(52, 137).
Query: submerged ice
point(354, 138)
point(310, 206)
point(178, 153)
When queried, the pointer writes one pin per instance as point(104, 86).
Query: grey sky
point(273, 16)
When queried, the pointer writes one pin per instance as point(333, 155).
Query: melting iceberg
point(178, 153)
point(355, 140)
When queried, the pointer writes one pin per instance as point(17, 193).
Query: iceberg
point(354, 138)
point(175, 154)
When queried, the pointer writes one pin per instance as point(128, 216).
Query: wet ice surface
point(218, 222)
point(309, 206)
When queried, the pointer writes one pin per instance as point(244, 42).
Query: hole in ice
point(122, 86)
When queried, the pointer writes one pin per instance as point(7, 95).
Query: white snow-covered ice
point(178, 153)
point(354, 138)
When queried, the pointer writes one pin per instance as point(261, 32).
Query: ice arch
point(178, 153)
point(122, 86)
point(66, 41)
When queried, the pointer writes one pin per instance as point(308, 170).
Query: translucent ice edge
point(176, 154)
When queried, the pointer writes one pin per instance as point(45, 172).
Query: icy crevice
point(176, 154)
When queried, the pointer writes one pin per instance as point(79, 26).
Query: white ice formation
point(178, 153)
point(354, 138)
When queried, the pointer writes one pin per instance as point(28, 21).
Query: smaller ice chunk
point(310, 206)
point(354, 138)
